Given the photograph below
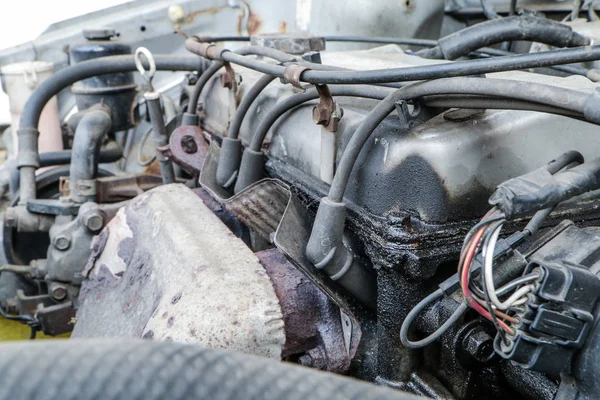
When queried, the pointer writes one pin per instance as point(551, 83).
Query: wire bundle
point(484, 298)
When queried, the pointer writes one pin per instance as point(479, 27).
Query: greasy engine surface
point(420, 214)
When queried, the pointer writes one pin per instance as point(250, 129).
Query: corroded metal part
point(186, 148)
point(167, 268)
point(315, 327)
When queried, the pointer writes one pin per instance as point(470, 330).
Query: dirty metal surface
point(124, 187)
point(166, 268)
point(259, 206)
point(314, 325)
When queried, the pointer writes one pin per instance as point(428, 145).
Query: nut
point(479, 345)
point(61, 242)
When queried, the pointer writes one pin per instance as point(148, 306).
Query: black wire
point(486, 241)
point(462, 308)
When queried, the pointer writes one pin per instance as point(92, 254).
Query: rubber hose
point(497, 103)
point(28, 157)
point(90, 132)
point(434, 71)
point(310, 94)
point(500, 30)
point(124, 370)
point(218, 64)
point(111, 153)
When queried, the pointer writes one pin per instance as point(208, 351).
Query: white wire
point(488, 262)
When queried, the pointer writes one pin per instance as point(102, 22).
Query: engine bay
point(418, 212)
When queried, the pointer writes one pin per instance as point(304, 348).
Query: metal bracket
point(229, 79)
point(52, 207)
point(412, 115)
point(327, 113)
point(186, 148)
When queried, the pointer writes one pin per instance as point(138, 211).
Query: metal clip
point(147, 75)
point(327, 113)
point(292, 74)
point(228, 79)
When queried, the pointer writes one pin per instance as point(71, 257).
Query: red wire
point(466, 272)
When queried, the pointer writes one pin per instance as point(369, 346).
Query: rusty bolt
point(479, 345)
point(320, 116)
point(93, 222)
point(188, 144)
point(58, 292)
point(61, 242)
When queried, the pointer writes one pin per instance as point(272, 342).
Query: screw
point(61, 242)
point(58, 292)
point(188, 144)
point(93, 222)
point(479, 345)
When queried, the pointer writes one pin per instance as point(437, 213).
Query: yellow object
point(14, 330)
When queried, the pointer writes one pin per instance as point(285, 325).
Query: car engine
point(402, 193)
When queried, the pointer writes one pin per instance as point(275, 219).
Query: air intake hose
point(101, 369)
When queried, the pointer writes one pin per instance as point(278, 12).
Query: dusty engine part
point(167, 278)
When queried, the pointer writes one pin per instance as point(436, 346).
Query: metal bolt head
point(61, 242)
point(93, 222)
point(58, 292)
point(188, 144)
point(479, 345)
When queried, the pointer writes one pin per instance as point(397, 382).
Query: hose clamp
point(293, 73)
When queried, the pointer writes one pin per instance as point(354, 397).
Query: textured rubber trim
point(129, 370)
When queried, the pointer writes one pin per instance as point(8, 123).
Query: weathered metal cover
point(166, 268)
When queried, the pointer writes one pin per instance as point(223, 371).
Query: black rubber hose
point(28, 158)
point(89, 135)
point(568, 69)
point(231, 146)
point(125, 370)
point(496, 103)
point(253, 93)
point(500, 30)
point(567, 99)
point(98, 66)
point(111, 153)
point(283, 106)
point(251, 167)
point(218, 64)
point(436, 71)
